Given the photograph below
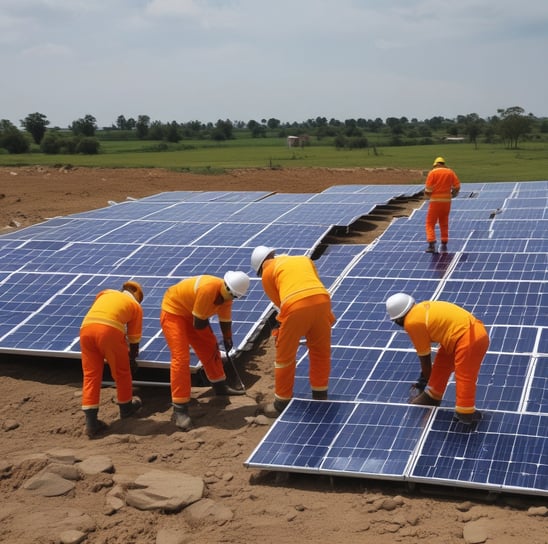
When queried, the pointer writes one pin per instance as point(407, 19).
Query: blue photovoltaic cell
point(505, 451)
point(206, 212)
point(502, 266)
point(279, 235)
point(500, 302)
point(512, 339)
point(234, 234)
point(350, 438)
point(404, 264)
point(139, 232)
point(350, 368)
point(132, 210)
point(263, 212)
point(377, 440)
point(326, 214)
point(537, 400)
point(179, 233)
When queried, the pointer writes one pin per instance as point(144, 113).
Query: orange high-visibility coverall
point(439, 183)
point(113, 316)
point(193, 297)
point(463, 344)
point(293, 285)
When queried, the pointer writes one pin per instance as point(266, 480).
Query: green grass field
point(489, 162)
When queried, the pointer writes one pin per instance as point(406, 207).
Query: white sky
point(184, 60)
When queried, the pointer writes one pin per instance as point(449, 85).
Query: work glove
point(133, 352)
point(228, 344)
point(454, 192)
point(418, 387)
point(421, 383)
point(133, 367)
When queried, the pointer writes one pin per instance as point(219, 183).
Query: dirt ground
point(41, 420)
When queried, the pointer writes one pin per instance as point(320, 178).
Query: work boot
point(424, 399)
point(431, 247)
point(182, 419)
point(319, 395)
point(222, 389)
point(94, 426)
point(274, 409)
point(127, 409)
point(443, 247)
point(467, 419)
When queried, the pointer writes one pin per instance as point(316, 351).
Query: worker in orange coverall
point(114, 320)
point(463, 343)
point(304, 309)
point(442, 184)
point(186, 309)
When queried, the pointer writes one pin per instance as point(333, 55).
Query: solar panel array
point(51, 272)
point(497, 269)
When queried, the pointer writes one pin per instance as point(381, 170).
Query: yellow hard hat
point(134, 288)
point(439, 160)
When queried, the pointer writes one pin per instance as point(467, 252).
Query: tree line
point(509, 125)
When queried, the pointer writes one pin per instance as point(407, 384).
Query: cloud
point(244, 59)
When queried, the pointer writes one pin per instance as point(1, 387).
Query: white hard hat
point(260, 253)
point(398, 305)
point(237, 283)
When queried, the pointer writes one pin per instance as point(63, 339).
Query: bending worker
point(442, 184)
point(463, 343)
point(186, 309)
point(114, 320)
point(293, 285)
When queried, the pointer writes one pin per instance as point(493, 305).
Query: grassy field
point(489, 162)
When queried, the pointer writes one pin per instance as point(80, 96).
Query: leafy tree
point(84, 126)
point(35, 124)
point(12, 139)
point(252, 124)
point(473, 126)
point(156, 131)
point(273, 124)
point(395, 125)
point(258, 131)
point(225, 128)
point(51, 143)
point(142, 125)
point(88, 146)
point(513, 125)
point(172, 132)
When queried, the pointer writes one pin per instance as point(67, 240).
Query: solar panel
point(496, 268)
point(491, 272)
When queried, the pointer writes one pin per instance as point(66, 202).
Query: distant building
point(298, 141)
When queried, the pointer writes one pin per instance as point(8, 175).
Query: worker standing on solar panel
point(111, 332)
point(292, 283)
point(186, 309)
point(442, 184)
point(463, 343)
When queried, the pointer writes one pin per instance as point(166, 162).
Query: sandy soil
point(40, 416)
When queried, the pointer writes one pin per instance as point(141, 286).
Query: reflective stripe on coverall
point(192, 297)
point(439, 183)
point(103, 337)
point(463, 344)
point(293, 285)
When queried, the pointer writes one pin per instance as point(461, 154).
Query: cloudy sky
point(183, 60)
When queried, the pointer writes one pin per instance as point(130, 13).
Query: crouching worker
point(111, 332)
point(463, 343)
point(184, 318)
point(292, 283)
